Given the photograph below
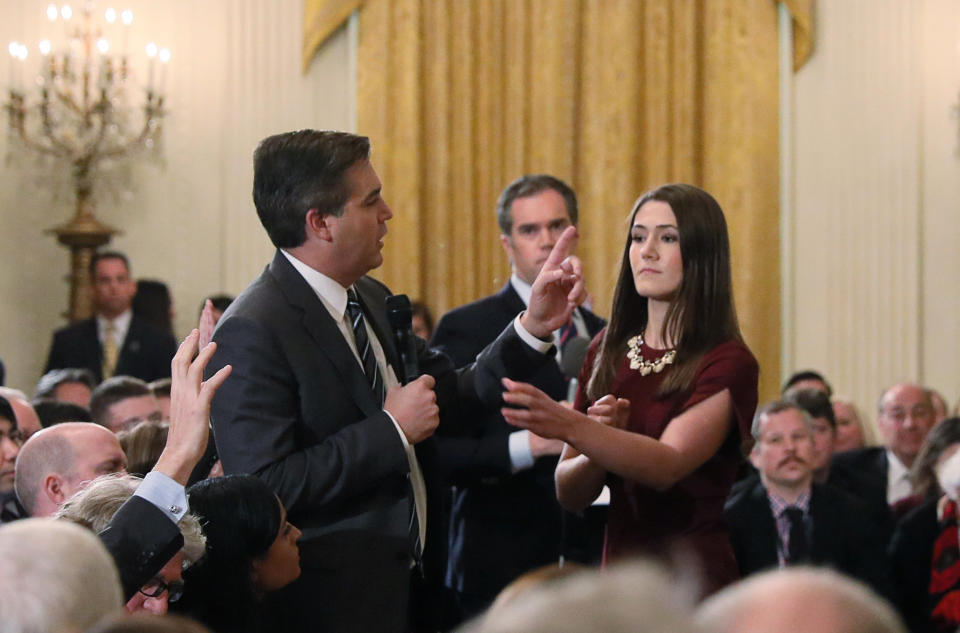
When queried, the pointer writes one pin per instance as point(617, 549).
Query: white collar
point(333, 295)
point(522, 288)
point(120, 324)
point(895, 468)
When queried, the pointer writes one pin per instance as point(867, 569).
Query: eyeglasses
point(156, 586)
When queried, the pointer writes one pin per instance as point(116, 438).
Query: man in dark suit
point(904, 417)
point(314, 406)
point(785, 519)
point(505, 519)
point(114, 342)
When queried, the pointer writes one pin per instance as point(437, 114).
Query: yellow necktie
point(110, 351)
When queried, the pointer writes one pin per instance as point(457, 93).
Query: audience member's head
point(54, 578)
point(52, 412)
point(152, 304)
point(783, 448)
point(161, 393)
point(10, 441)
point(853, 429)
point(57, 462)
point(122, 402)
point(905, 416)
point(27, 420)
point(941, 443)
point(95, 505)
point(807, 379)
point(422, 320)
point(636, 597)
point(940, 408)
point(67, 385)
point(143, 445)
point(798, 600)
point(822, 422)
point(220, 305)
point(113, 288)
point(251, 549)
point(533, 212)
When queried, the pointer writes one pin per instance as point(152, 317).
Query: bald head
point(904, 417)
point(27, 420)
point(57, 462)
point(781, 601)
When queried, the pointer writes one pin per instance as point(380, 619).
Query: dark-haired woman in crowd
point(924, 551)
point(153, 304)
point(670, 391)
point(251, 551)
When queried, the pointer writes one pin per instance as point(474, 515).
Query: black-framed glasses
point(156, 586)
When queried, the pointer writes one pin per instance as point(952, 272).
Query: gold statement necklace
point(644, 366)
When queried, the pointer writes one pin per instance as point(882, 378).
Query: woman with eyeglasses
point(668, 391)
point(251, 551)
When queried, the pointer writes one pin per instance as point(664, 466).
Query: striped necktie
point(367, 358)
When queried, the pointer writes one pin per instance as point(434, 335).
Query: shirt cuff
point(521, 457)
point(541, 346)
point(165, 493)
point(403, 438)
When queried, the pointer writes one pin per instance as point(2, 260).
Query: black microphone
point(571, 362)
point(400, 315)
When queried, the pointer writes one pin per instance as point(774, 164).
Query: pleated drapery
point(613, 96)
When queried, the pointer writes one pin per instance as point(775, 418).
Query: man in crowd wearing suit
point(505, 519)
point(122, 402)
point(786, 519)
point(314, 407)
point(905, 416)
point(114, 342)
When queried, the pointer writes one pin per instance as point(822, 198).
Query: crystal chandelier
point(72, 117)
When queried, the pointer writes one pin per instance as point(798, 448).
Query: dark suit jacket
point(298, 412)
point(863, 474)
point(911, 559)
point(502, 523)
point(141, 539)
point(840, 537)
point(146, 351)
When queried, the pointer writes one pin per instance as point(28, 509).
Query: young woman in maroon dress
point(670, 391)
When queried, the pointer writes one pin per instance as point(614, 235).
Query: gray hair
point(54, 578)
point(94, 507)
point(772, 408)
point(780, 600)
point(636, 597)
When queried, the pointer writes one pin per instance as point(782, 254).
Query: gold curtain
point(613, 96)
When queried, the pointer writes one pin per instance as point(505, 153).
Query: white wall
point(235, 77)
point(876, 176)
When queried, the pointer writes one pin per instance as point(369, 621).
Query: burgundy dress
point(688, 515)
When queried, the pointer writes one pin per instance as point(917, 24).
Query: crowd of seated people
point(856, 518)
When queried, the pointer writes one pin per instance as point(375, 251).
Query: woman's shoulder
point(730, 352)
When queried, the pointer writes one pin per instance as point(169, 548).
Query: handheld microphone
point(571, 362)
point(400, 316)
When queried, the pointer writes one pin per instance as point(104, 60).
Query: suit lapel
point(324, 331)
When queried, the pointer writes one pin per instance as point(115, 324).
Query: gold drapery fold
point(320, 19)
point(613, 96)
point(801, 16)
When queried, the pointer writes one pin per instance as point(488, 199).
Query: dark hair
point(806, 374)
point(241, 519)
point(422, 310)
point(101, 255)
point(161, 387)
point(299, 171)
point(48, 383)
point(152, 303)
point(530, 185)
point(51, 411)
point(112, 391)
point(220, 302)
point(6, 411)
point(923, 473)
point(700, 316)
point(814, 402)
